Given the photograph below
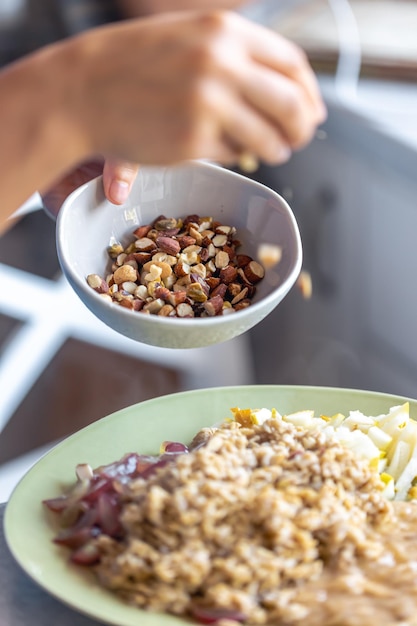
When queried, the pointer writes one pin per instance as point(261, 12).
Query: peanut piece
point(97, 283)
point(196, 292)
point(145, 244)
point(221, 259)
point(184, 310)
point(181, 268)
point(305, 284)
point(269, 255)
point(254, 272)
point(124, 273)
point(214, 305)
point(114, 250)
point(168, 245)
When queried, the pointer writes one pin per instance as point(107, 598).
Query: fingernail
point(119, 191)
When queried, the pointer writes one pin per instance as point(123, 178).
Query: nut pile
point(187, 267)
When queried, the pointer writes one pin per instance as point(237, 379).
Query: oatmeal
point(264, 523)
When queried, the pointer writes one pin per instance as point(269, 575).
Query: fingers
point(249, 131)
point(284, 103)
point(118, 178)
point(282, 56)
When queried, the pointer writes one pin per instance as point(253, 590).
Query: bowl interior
point(88, 224)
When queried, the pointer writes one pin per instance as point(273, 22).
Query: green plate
point(141, 428)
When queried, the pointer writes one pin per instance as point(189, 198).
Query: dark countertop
point(22, 602)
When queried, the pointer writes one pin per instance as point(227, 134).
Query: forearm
point(39, 137)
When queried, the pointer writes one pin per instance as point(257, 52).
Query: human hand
point(137, 8)
point(118, 178)
point(192, 85)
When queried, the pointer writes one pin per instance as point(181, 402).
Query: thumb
point(118, 178)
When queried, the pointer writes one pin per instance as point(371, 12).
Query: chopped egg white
point(388, 442)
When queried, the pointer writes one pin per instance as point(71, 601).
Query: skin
point(157, 91)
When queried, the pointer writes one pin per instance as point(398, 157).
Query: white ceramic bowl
point(87, 224)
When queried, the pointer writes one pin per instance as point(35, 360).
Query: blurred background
point(353, 191)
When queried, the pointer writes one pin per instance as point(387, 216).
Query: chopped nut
point(114, 250)
point(145, 244)
point(193, 218)
point(154, 306)
point(228, 274)
point(177, 297)
point(142, 257)
point(152, 286)
point(221, 259)
point(211, 266)
point(165, 223)
point(220, 290)
point(196, 235)
point(142, 231)
point(127, 303)
point(211, 250)
point(213, 281)
point(234, 289)
point(170, 281)
point(223, 229)
point(214, 305)
point(166, 310)
point(163, 257)
point(168, 245)
point(185, 241)
point(125, 273)
point(154, 274)
point(248, 162)
point(97, 283)
point(254, 272)
point(243, 304)
point(205, 223)
point(182, 282)
point(161, 292)
point(200, 270)
point(190, 254)
point(305, 284)
point(240, 296)
point(165, 268)
point(141, 292)
point(131, 261)
point(184, 310)
point(243, 259)
point(196, 292)
point(230, 251)
point(188, 266)
point(121, 258)
point(137, 305)
point(269, 254)
point(219, 241)
point(182, 268)
point(130, 286)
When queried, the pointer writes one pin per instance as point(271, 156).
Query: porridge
point(263, 519)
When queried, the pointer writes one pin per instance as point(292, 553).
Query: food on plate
point(262, 519)
point(190, 267)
